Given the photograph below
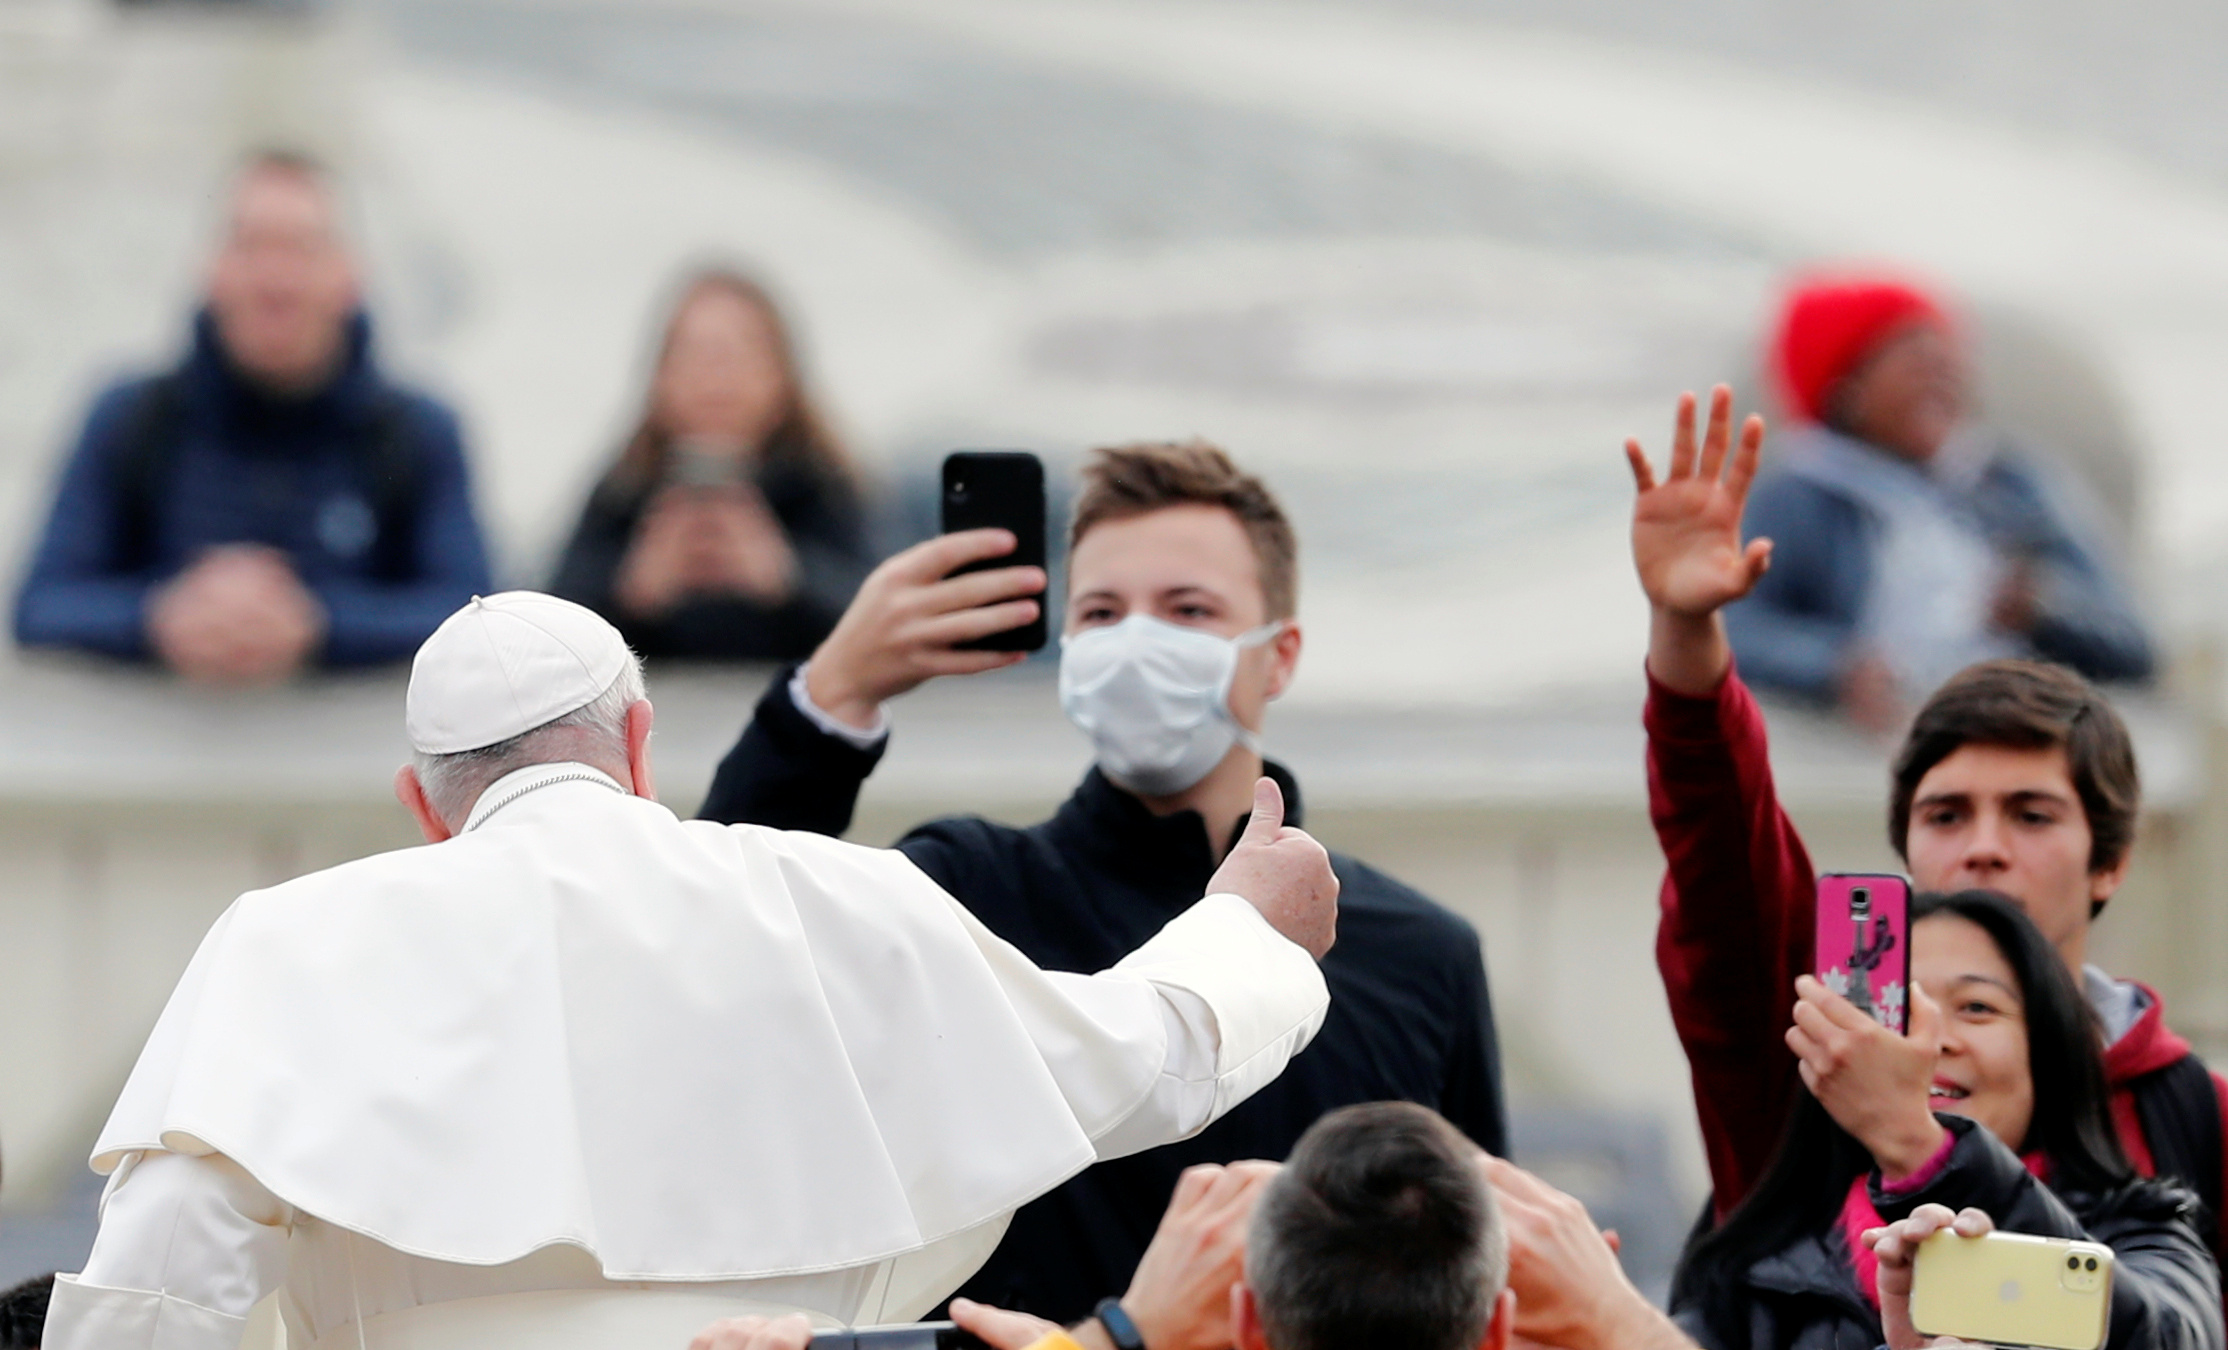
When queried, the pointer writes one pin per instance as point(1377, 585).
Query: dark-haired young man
point(2016, 777)
point(1181, 627)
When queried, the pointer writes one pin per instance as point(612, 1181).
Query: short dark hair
point(2028, 705)
point(23, 1313)
point(1121, 481)
point(1380, 1230)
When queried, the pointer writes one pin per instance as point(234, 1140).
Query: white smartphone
point(2013, 1289)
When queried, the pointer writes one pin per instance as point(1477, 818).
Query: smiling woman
point(1998, 1086)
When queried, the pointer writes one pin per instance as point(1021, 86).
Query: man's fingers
point(1719, 436)
point(1512, 1180)
point(976, 589)
point(1192, 1184)
point(965, 625)
point(1745, 459)
point(999, 1328)
point(1268, 812)
point(938, 664)
point(1757, 557)
point(1643, 473)
point(1682, 440)
point(936, 557)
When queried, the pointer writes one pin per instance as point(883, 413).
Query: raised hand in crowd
point(1896, 1246)
point(902, 629)
point(755, 1333)
point(1570, 1291)
point(1686, 541)
point(1180, 1296)
point(1284, 873)
point(706, 541)
point(237, 616)
point(1874, 1083)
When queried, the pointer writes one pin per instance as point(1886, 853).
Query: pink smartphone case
point(1864, 943)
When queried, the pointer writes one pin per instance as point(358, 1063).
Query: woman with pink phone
point(1993, 1100)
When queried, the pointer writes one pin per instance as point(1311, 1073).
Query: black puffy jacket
point(2165, 1290)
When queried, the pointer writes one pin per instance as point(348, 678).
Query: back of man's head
point(514, 680)
point(1380, 1230)
point(2028, 705)
point(23, 1313)
point(1122, 481)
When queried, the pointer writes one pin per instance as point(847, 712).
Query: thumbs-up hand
point(1284, 873)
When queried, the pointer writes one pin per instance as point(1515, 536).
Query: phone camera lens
point(2092, 1263)
point(2073, 1263)
point(958, 490)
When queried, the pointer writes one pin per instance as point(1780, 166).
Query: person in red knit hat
point(1913, 541)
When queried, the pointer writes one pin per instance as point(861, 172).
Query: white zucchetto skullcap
point(505, 664)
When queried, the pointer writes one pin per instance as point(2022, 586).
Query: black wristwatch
point(1119, 1329)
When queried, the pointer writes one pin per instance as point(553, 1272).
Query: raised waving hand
point(1686, 541)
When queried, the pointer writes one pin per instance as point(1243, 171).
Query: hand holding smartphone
point(2013, 1289)
point(1863, 944)
point(1002, 489)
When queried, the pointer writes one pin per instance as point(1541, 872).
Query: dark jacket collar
point(210, 373)
point(1114, 830)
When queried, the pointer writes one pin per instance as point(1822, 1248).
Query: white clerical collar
point(533, 778)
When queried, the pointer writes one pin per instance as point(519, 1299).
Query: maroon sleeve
point(1736, 926)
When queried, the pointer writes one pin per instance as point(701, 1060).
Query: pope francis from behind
point(580, 1074)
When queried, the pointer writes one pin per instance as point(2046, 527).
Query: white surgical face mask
point(1154, 697)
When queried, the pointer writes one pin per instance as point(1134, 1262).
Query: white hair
point(454, 782)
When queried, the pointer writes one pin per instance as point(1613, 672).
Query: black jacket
point(1409, 1015)
point(826, 527)
point(2165, 1290)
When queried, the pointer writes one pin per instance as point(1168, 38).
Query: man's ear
point(1284, 658)
point(2105, 884)
point(411, 793)
point(1245, 1319)
point(639, 718)
point(1501, 1327)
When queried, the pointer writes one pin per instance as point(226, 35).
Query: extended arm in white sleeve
point(1157, 1048)
point(186, 1247)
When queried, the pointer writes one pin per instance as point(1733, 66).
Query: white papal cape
point(585, 1050)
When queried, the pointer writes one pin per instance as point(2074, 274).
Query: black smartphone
point(1005, 489)
point(914, 1336)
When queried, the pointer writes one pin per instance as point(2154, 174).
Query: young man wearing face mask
point(1181, 628)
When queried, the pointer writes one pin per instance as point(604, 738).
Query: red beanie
point(1828, 327)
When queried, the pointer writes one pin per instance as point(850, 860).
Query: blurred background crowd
point(318, 318)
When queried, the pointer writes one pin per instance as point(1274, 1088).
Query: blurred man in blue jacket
point(272, 503)
point(1910, 542)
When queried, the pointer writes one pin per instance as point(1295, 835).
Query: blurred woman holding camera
point(1993, 1104)
point(731, 526)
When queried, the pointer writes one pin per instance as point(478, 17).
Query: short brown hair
point(1129, 480)
point(2029, 705)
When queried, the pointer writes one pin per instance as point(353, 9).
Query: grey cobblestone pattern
point(1021, 160)
point(2142, 76)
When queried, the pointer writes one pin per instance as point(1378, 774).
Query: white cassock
point(587, 1075)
